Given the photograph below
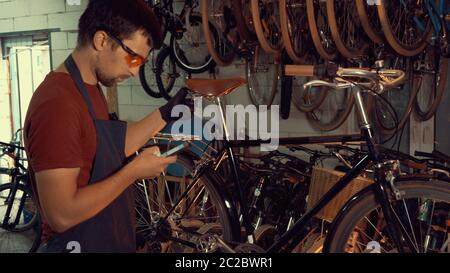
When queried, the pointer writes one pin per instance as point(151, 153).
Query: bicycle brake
point(391, 174)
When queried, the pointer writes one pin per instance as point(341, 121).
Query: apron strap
point(76, 76)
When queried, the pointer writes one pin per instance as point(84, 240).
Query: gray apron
point(113, 228)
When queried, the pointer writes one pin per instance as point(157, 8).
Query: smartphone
point(174, 150)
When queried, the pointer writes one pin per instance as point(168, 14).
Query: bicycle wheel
point(432, 70)
point(161, 7)
point(307, 100)
point(22, 231)
point(202, 206)
point(423, 211)
point(266, 19)
point(166, 73)
point(262, 75)
point(220, 15)
point(401, 98)
point(320, 29)
point(368, 16)
point(346, 28)
point(294, 29)
point(244, 22)
point(405, 24)
point(189, 49)
point(333, 111)
point(147, 76)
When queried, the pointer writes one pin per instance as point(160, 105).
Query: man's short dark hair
point(120, 18)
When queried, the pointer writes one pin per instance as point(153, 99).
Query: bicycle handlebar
point(6, 171)
point(10, 145)
point(321, 70)
point(345, 77)
point(434, 155)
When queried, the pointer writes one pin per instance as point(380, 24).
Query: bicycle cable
point(390, 108)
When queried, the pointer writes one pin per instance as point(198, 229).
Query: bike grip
point(320, 71)
point(6, 171)
point(286, 96)
point(422, 154)
point(299, 70)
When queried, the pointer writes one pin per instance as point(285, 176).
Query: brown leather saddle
point(212, 88)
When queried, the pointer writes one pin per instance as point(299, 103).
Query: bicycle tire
point(243, 21)
point(271, 47)
point(373, 29)
point(329, 53)
point(165, 82)
point(26, 232)
point(353, 46)
point(222, 50)
point(145, 80)
point(437, 88)
point(303, 101)
point(256, 91)
point(182, 60)
point(214, 197)
point(296, 48)
point(394, 39)
point(385, 120)
point(159, 7)
point(403, 118)
point(348, 221)
point(338, 119)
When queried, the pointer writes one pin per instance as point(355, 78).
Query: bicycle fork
point(235, 175)
point(381, 185)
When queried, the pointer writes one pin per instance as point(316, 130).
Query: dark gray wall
point(443, 122)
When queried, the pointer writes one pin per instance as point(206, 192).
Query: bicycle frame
point(380, 187)
point(290, 238)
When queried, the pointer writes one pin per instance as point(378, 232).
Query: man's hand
point(178, 99)
point(148, 164)
point(65, 205)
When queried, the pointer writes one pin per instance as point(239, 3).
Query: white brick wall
point(6, 25)
point(28, 15)
point(59, 40)
point(30, 22)
point(65, 21)
point(38, 7)
point(14, 9)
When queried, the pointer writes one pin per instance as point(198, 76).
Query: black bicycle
point(389, 215)
point(20, 225)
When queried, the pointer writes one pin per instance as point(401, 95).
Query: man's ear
point(100, 40)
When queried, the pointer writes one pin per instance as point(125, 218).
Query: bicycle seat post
point(235, 173)
point(365, 126)
point(214, 89)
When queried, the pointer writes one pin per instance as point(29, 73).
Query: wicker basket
point(322, 180)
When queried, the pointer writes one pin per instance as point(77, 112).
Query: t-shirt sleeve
point(54, 136)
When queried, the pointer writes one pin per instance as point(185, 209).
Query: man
point(76, 151)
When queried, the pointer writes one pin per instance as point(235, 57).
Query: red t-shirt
point(59, 131)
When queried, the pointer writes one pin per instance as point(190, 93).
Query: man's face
point(113, 64)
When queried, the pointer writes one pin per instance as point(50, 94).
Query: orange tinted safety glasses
point(133, 59)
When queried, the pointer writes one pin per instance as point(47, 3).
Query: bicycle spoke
point(410, 224)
